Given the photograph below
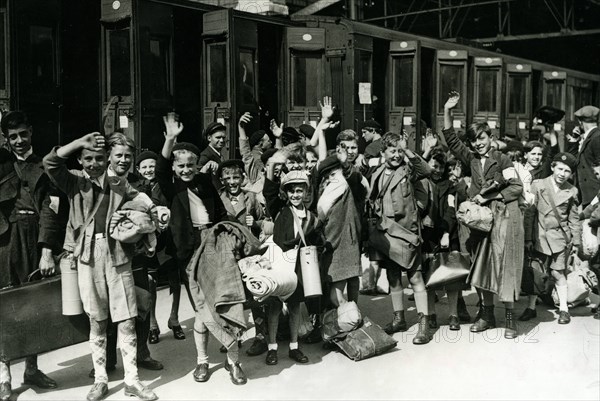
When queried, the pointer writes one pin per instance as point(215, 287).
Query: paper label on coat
point(123, 122)
point(557, 127)
point(54, 203)
point(451, 200)
point(456, 124)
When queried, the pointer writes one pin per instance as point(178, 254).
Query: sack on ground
point(338, 322)
point(366, 341)
point(536, 280)
point(580, 281)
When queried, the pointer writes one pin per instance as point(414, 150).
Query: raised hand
point(172, 126)
point(245, 119)
point(211, 166)
point(326, 108)
point(430, 140)
point(277, 130)
point(453, 98)
point(94, 141)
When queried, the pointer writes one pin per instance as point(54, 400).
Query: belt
point(25, 212)
point(203, 227)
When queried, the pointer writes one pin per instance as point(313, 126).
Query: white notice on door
point(123, 122)
point(221, 121)
point(364, 92)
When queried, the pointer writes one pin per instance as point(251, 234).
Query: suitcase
point(32, 321)
point(366, 341)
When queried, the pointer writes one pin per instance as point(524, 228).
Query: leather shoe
point(150, 364)
point(39, 379)
point(454, 323)
point(140, 391)
point(271, 357)
point(97, 392)
point(258, 347)
point(528, 314)
point(237, 375)
point(298, 356)
point(433, 324)
point(111, 368)
point(564, 317)
point(201, 373)
point(154, 336)
point(177, 331)
point(5, 391)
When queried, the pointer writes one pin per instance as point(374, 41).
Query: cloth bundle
point(133, 223)
point(263, 281)
point(475, 217)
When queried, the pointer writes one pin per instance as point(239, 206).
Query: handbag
point(447, 268)
point(366, 341)
point(475, 216)
point(535, 279)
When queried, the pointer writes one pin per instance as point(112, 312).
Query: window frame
point(293, 54)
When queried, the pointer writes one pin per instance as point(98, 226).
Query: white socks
point(563, 292)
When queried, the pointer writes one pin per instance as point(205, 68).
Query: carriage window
point(581, 97)
point(517, 93)
point(306, 75)
point(217, 72)
point(119, 72)
point(451, 79)
point(42, 58)
point(554, 93)
point(160, 85)
point(487, 91)
point(3, 65)
point(362, 69)
point(403, 81)
point(247, 63)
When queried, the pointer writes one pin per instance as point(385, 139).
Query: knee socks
point(201, 339)
point(98, 346)
point(128, 345)
point(562, 292)
point(421, 302)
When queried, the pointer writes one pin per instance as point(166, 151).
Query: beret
point(146, 154)
point(256, 137)
point(370, 124)
point(264, 158)
point(290, 134)
point(327, 165)
point(549, 114)
point(230, 163)
point(588, 114)
point(294, 177)
point(190, 147)
point(567, 159)
point(306, 130)
point(212, 128)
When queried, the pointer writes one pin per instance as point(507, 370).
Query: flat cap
point(588, 114)
point(307, 130)
point(214, 127)
point(371, 124)
point(327, 165)
point(567, 159)
point(294, 177)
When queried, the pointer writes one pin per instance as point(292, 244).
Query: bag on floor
point(580, 281)
point(338, 322)
point(536, 280)
point(306, 326)
point(366, 341)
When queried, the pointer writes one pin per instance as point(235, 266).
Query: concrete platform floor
point(546, 362)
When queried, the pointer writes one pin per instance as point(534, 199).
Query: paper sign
point(456, 124)
point(364, 92)
point(313, 124)
point(522, 125)
point(407, 121)
point(492, 124)
point(123, 122)
point(221, 121)
point(557, 127)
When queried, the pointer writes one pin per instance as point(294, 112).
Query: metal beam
point(509, 38)
point(433, 10)
point(316, 7)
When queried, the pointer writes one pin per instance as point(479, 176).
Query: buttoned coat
point(79, 190)
point(541, 225)
point(585, 179)
point(248, 205)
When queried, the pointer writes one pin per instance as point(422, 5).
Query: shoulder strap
point(299, 224)
point(556, 215)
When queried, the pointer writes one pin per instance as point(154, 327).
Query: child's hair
point(477, 129)
point(310, 149)
point(119, 138)
point(231, 168)
point(182, 152)
point(14, 119)
point(439, 156)
point(297, 156)
point(515, 155)
point(346, 135)
point(391, 139)
point(529, 146)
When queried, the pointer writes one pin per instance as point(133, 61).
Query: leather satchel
point(447, 268)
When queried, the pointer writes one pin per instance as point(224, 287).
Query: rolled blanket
point(264, 280)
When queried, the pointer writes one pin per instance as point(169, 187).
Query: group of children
point(301, 193)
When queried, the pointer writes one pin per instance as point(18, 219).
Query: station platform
point(546, 362)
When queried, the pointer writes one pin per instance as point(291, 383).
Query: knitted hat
point(256, 138)
point(146, 154)
point(567, 159)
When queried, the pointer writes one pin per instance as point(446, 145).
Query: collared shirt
point(217, 152)
point(234, 199)
point(484, 158)
point(583, 137)
point(25, 156)
point(98, 181)
point(198, 211)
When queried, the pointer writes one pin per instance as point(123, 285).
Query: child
point(195, 206)
point(104, 265)
point(497, 257)
point(392, 199)
point(557, 231)
point(295, 184)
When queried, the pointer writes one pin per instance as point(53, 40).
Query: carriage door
point(4, 56)
point(488, 92)
point(518, 101)
point(403, 97)
point(118, 95)
point(306, 74)
point(554, 93)
point(230, 71)
point(452, 76)
point(363, 79)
